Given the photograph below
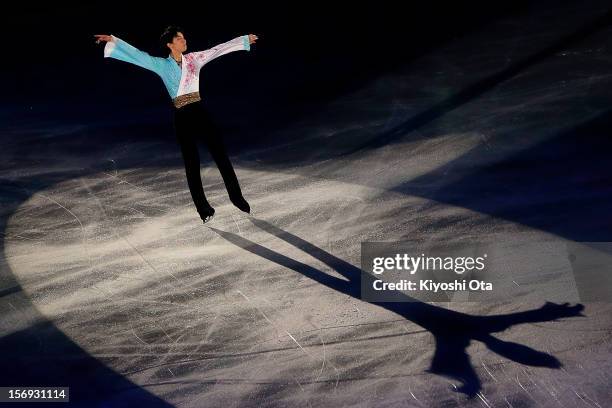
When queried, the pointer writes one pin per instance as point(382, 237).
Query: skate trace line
point(290, 336)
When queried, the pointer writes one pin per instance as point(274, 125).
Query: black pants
point(190, 121)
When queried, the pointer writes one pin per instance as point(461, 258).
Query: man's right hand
point(103, 38)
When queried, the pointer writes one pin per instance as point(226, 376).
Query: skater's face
point(178, 43)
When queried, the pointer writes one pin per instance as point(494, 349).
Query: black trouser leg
point(219, 154)
point(185, 133)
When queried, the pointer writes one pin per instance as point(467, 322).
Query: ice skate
point(241, 204)
point(207, 214)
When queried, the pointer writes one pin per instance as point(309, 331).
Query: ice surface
point(111, 284)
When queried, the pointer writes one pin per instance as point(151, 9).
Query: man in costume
point(181, 75)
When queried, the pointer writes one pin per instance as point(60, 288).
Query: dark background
point(308, 53)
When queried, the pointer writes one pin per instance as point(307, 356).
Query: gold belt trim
point(186, 99)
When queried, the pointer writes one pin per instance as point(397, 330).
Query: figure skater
point(180, 74)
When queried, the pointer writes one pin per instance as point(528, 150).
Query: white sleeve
point(237, 44)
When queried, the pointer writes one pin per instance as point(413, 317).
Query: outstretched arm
point(121, 50)
point(237, 44)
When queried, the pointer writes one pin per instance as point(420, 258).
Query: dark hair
point(168, 35)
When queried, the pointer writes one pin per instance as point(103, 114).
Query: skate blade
point(208, 219)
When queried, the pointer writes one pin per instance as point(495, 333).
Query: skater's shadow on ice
point(453, 331)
